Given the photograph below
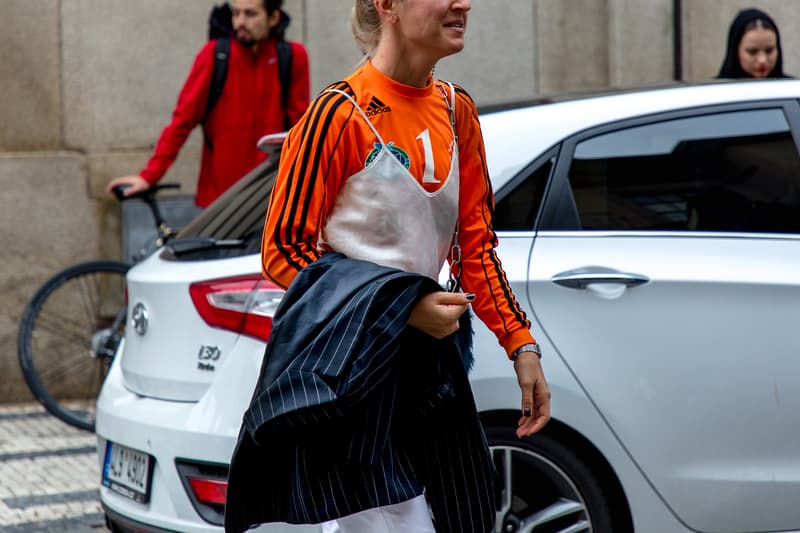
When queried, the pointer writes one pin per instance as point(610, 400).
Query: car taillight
point(206, 485)
point(242, 304)
point(209, 491)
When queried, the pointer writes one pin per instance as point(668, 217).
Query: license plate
point(128, 472)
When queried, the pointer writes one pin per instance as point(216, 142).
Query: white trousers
point(411, 516)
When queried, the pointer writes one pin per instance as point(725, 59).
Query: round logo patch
point(396, 151)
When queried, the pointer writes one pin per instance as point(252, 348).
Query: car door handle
point(581, 278)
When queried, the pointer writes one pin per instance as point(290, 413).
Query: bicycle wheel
point(68, 336)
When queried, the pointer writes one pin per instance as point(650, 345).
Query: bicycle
point(72, 326)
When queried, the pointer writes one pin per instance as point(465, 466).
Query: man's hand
point(535, 394)
point(136, 184)
point(437, 313)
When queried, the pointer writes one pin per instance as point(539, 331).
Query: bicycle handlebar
point(145, 195)
point(148, 196)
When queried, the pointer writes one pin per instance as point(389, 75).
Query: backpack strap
point(285, 72)
point(222, 52)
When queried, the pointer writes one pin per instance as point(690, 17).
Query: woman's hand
point(535, 394)
point(437, 313)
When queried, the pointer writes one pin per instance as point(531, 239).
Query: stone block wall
point(89, 84)
point(30, 108)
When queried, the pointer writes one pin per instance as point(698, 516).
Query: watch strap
point(530, 347)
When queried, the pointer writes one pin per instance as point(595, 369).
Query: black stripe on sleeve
point(513, 305)
point(317, 156)
point(322, 111)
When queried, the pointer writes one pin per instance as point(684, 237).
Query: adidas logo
point(376, 107)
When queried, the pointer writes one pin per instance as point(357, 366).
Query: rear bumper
point(167, 430)
point(120, 524)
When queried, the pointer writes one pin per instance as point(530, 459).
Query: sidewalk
point(48, 474)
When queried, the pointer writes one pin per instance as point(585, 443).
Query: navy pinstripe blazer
point(355, 410)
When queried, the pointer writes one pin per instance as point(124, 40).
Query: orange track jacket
point(332, 142)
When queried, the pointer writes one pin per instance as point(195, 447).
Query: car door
point(665, 273)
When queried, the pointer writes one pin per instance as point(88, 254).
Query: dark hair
point(220, 23)
point(746, 20)
point(763, 23)
point(278, 32)
point(272, 5)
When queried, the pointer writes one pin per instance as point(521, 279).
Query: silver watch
point(530, 347)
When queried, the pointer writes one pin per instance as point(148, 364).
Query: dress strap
point(450, 102)
point(454, 275)
point(366, 119)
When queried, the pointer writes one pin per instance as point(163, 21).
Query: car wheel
point(544, 487)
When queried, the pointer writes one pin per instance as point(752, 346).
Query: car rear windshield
point(232, 225)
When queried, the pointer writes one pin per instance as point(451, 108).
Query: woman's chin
point(453, 47)
point(758, 73)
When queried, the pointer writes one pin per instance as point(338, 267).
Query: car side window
point(734, 171)
point(517, 210)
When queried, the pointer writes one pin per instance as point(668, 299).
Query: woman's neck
point(402, 67)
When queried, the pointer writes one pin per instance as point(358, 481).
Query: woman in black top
point(754, 47)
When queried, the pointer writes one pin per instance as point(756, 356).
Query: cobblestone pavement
point(49, 475)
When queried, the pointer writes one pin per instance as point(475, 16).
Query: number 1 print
point(428, 176)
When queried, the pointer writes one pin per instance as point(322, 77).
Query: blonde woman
point(387, 168)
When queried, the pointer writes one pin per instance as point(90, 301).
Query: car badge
point(139, 318)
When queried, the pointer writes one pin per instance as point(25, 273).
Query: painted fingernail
point(470, 296)
point(526, 411)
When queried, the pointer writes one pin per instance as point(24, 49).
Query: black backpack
point(220, 27)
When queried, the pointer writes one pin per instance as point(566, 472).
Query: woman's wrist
point(530, 347)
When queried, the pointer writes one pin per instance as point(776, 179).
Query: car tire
point(543, 486)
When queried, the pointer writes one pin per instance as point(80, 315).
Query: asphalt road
point(49, 474)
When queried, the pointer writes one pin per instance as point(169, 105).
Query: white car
point(653, 237)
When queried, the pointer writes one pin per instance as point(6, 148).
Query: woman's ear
point(387, 9)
